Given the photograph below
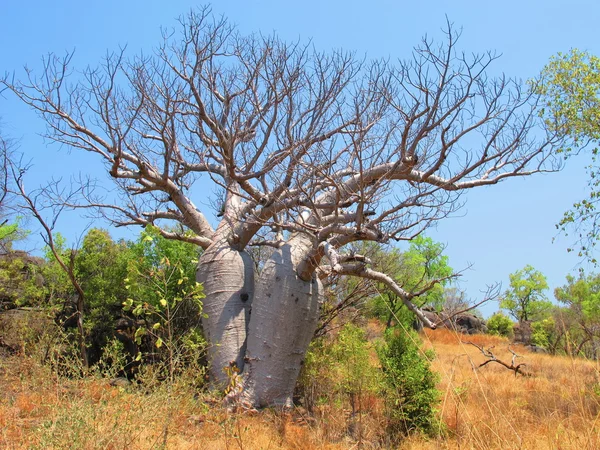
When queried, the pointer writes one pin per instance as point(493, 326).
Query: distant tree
point(581, 297)
point(500, 325)
point(310, 151)
point(455, 300)
point(525, 299)
point(570, 89)
point(422, 269)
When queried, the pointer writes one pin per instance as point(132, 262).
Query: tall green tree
point(526, 298)
point(570, 88)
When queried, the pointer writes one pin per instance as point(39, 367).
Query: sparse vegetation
point(487, 408)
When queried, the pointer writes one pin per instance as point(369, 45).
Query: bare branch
point(492, 358)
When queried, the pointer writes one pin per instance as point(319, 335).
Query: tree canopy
point(525, 298)
point(570, 86)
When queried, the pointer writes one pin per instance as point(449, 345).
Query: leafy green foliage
point(500, 325)
point(8, 230)
point(580, 318)
point(100, 265)
point(353, 372)
point(525, 299)
point(152, 279)
point(339, 369)
point(570, 86)
point(21, 280)
point(413, 269)
point(542, 331)
point(583, 295)
point(21, 275)
point(410, 390)
point(164, 295)
point(56, 281)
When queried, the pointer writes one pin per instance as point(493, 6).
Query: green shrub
point(114, 359)
point(500, 325)
point(542, 331)
point(410, 390)
point(339, 370)
point(353, 372)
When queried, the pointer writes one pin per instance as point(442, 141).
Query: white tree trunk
point(228, 279)
point(285, 313)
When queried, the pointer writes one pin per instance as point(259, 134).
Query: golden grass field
point(557, 407)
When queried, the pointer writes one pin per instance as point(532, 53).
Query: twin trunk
point(265, 329)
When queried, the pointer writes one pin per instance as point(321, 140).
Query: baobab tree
point(311, 151)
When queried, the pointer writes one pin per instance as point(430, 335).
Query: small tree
point(581, 297)
point(165, 297)
point(422, 268)
point(411, 396)
point(101, 267)
point(525, 299)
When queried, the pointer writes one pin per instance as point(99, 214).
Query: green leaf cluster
point(339, 369)
point(570, 90)
point(500, 325)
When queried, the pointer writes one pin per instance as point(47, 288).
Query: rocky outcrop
point(469, 323)
point(522, 333)
point(466, 323)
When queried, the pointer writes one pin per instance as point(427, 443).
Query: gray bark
point(228, 279)
point(284, 318)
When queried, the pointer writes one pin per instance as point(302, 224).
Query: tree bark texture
point(269, 349)
point(228, 279)
point(285, 314)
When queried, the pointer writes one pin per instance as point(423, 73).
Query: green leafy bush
point(411, 397)
point(542, 332)
point(500, 325)
point(165, 299)
point(339, 369)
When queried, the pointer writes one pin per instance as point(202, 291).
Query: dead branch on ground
point(518, 368)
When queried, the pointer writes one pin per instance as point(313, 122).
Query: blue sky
point(501, 228)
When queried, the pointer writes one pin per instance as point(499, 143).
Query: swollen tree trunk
point(228, 279)
point(285, 314)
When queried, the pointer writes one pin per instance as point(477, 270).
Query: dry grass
point(556, 408)
point(489, 408)
point(38, 410)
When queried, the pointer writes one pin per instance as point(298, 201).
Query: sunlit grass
point(488, 408)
